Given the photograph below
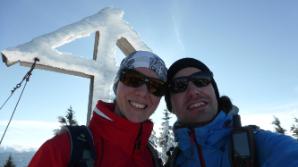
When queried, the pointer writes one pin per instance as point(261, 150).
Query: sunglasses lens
point(179, 84)
point(156, 87)
point(132, 78)
point(201, 82)
point(135, 79)
point(199, 79)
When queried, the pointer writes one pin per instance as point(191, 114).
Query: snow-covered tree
point(9, 162)
point(278, 127)
point(153, 139)
point(294, 128)
point(166, 138)
point(67, 120)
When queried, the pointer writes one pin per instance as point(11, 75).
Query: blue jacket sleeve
point(275, 149)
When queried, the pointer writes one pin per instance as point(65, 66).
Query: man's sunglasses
point(133, 78)
point(199, 79)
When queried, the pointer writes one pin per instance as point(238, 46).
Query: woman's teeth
point(137, 105)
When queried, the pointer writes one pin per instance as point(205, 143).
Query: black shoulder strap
point(243, 147)
point(252, 127)
point(157, 161)
point(82, 148)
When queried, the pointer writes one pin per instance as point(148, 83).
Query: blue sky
point(251, 47)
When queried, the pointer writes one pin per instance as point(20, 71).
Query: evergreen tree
point(278, 127)
point(166, 139)
point(67, 120)
point(153, 139)
point(294, 128)
point(9, 162)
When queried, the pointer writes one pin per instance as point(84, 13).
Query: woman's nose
point(141, 90)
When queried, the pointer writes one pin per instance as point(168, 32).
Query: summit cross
point(110, 30)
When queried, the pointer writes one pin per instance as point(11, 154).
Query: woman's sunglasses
point(133, 78)
point(199, 79)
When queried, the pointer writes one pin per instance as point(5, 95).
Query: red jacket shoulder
point(54, 152)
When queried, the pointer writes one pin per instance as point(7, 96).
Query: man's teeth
point(137, 105)
point(196, 105)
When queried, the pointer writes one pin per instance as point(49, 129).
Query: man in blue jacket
point(204, 126)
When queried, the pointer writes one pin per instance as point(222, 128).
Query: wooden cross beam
point(110, 31)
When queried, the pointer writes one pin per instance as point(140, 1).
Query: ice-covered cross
point(111, 31)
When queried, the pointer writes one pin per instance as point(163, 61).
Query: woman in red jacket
point(121, 129)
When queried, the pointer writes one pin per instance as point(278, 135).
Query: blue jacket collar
point(209, 135)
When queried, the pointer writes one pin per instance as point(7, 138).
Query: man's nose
point(192, 89)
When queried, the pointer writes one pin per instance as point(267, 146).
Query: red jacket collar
point(118, 130)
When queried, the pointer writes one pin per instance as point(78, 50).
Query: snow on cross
point(111, 31)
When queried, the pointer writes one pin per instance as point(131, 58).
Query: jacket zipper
point(199, 148)
point(202, 160)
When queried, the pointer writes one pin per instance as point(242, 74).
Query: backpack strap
point(243, 147)
point(82, 147)
point(156, 160)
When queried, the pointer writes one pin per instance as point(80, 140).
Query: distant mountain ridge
point(20, 158)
